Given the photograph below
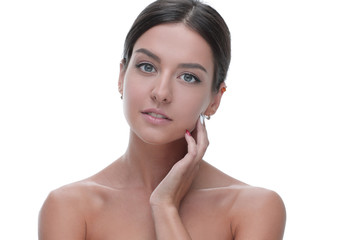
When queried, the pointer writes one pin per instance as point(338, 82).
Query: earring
point(207, 117)
point(121, 97)
point(223, 89)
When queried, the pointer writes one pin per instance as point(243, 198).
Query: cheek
point(190, 109)
point(132, 101)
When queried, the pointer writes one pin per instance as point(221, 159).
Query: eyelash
point(144, 64)
point(141, 65)
point(196, 79)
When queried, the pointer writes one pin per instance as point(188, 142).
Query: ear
point(121, 78)
point(215, 102)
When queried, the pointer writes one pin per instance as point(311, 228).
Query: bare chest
point(129, 217)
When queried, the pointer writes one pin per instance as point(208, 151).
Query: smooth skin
point(161, 188)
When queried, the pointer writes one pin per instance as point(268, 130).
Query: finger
point(192, 147)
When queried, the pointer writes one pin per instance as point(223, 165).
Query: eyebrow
point(192, 65)
point(149, 54)
point(182, 65)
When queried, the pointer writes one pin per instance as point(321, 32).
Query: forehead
point(176, 43)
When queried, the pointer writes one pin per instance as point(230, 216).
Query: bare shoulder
point(63, 213)
point(251, 200)
point(255, 213)
point(76, 197)
point(73, 193)
point(258, 213)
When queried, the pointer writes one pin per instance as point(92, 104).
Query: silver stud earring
point(207, 117)
point(202, 119)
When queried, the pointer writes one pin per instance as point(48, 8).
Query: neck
point(148, 164)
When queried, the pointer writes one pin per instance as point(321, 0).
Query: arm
point(168, 224)
point(60, 217)
point(166, 198)
point(262, 218)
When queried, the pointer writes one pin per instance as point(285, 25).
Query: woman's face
point(167, 83)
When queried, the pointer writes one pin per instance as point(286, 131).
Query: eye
point(146, 67)
point(187, 77)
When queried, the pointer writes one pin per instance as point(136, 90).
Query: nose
point(162, 92)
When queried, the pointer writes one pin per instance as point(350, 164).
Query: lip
point(156, 119)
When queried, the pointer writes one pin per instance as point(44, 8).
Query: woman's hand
point(177, 182)
point(166, 198)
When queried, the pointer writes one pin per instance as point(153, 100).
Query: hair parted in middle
point(199, 17)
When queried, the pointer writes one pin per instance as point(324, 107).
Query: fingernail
point(188, 133)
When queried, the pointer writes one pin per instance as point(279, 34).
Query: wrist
point(162, 202)
point(163, 205)
point(168, 223)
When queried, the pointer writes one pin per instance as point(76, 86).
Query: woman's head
point(199, 17)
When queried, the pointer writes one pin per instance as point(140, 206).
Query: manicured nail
point(188, 133)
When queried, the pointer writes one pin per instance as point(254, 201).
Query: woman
point(176, 57)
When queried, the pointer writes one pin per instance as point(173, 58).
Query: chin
point(160, 138)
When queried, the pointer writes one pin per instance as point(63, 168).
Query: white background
point(289, 120)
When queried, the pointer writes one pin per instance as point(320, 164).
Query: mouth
point(156, 114)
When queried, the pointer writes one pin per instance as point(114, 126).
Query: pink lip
point(154, 119)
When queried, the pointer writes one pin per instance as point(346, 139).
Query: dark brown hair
point(200, 17)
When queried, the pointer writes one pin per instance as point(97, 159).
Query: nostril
point(161, 98)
